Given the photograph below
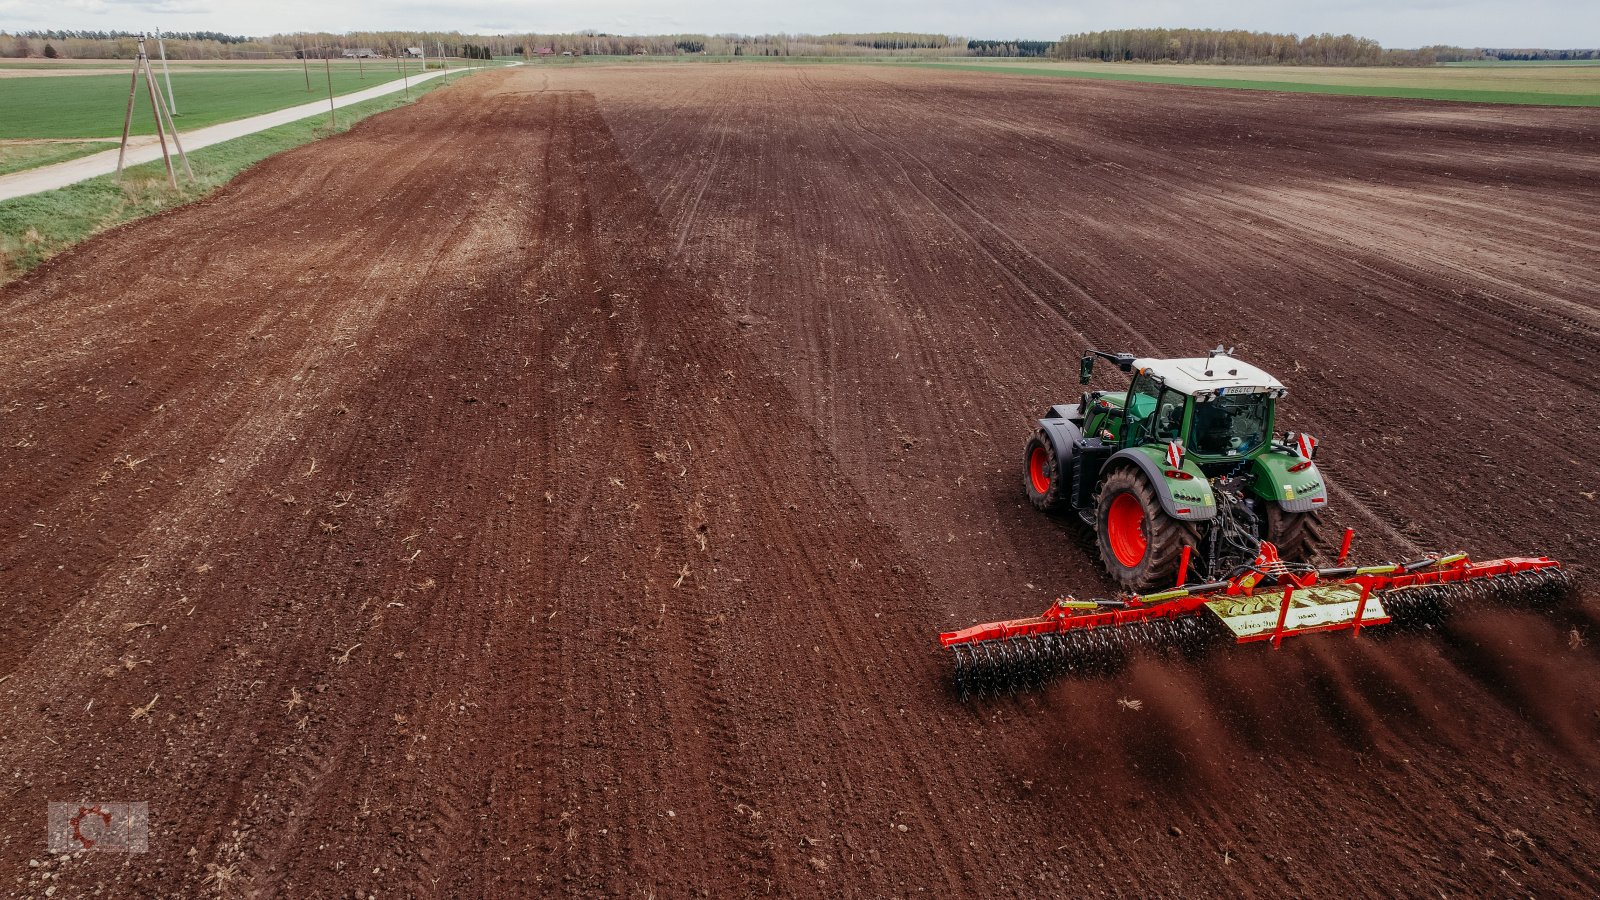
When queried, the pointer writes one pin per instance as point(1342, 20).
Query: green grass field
point(1518, 63)
point(14, 157)
point(1535, 85)
point(82, 106)
point(36, 227)
point(62, 66)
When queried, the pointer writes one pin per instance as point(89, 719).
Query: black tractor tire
point(1041, 474)
point(1298, 536)
point(1145, 558)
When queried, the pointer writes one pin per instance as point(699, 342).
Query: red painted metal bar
point(1283, 615)
point(1361, 610)
point(1183, 565)
point(1064, 617)
point(1344, 548)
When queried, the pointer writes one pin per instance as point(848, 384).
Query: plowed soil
point(556, 487)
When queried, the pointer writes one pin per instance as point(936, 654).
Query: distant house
point(414, 52)
point(545, 51)
point(361, 53)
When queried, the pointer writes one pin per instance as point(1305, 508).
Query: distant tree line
point(1010, 48)
point(1473, 54)
point(893, 41)
point(216, 36)
point(1208, 45)
point(1177, 45)
point(209, 45)
point(1529, 55)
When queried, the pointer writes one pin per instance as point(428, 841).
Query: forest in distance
point(1170, 45)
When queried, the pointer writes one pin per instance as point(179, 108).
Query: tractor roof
point(1207, 373)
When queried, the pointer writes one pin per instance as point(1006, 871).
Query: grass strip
point(16, 157)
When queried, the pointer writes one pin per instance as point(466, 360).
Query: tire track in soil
point(1365, 501)
point(41, 498)
point(807, 118)
point(685, 397)
point(1006, 253)
point(688, 629)
point(312, 771)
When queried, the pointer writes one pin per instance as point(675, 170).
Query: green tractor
point(1185, 458)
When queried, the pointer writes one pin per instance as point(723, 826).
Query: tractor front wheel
point(1139, 543)
point(1041, 474)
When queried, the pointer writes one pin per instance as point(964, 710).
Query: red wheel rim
point(1125, 529)
point(1039, 470)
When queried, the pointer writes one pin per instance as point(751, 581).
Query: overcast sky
point(1394, 23)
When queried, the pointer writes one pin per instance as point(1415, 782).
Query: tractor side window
point(1168, 422)
point(1141, 406)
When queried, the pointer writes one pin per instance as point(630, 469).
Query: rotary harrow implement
point(1268, 600)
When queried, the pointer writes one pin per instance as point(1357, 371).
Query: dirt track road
point(557, 485)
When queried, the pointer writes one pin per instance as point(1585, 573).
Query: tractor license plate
point(1325, 607)
point(1241, 389)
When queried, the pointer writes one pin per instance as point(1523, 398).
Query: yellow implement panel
point(1321, 608)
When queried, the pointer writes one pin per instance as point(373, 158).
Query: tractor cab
point(1217, 407)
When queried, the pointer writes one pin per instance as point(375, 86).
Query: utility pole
point(172, 99)
point(155, 109)
point(127, 118)
point(163, 109)
point(158, 108)
point(399, 63)
point(327, 69)
point(305, 67)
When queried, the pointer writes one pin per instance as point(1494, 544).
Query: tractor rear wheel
point(1139, 543)
point(1298, 536)
point(1041, 474)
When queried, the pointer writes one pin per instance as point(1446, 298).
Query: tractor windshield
point(1231, 425)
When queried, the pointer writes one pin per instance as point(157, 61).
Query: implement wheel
point(1298, 536)
point(1139, 543)
point(1041, 474)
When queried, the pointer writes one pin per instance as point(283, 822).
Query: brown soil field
point(556, 487)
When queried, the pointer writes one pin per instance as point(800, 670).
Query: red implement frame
point(1068, 614)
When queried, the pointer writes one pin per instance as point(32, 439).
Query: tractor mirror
point(1085, 369)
